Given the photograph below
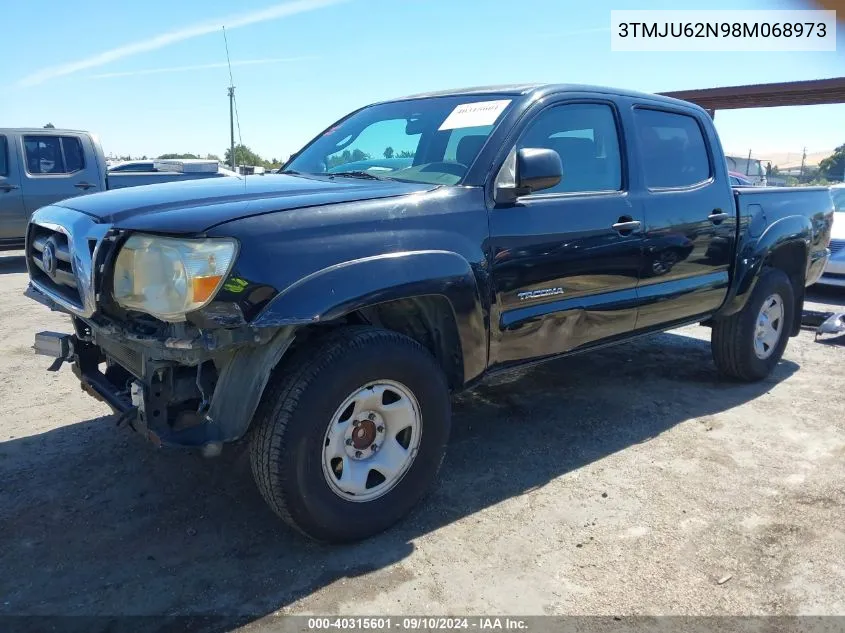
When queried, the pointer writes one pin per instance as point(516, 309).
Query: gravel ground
point(627, 481)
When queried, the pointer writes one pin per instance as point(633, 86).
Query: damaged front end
point(184, 387)
point(192, 383)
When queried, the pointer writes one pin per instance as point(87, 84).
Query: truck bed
point(762, 208)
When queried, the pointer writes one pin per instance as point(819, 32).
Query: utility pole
point(232, 127)
point(803, 159)
point(231, 107)
point(748, 164)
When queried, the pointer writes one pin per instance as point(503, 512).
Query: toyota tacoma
point(411, 249)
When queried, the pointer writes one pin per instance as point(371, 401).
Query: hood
point(194, 206)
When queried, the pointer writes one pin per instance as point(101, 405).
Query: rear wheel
point(351, 433)
point(749, 344)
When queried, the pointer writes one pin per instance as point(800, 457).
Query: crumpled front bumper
point(191, 392)
point(128, 401)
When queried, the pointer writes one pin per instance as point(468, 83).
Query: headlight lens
point(168, 277)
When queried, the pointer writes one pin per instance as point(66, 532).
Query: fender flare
point(337, 290)
point(754, 254)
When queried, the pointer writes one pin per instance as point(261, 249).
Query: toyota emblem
point(48, 258)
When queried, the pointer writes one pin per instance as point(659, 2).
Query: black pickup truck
point(326, 313)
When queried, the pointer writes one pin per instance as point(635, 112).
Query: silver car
point(834, 272)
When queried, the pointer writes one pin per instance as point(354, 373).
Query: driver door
point(566, 260)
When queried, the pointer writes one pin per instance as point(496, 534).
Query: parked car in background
point(837, 192)
point(750, 169)
point(251, 170)
point(327, 315)
point(738, 180)
point(133, 165)
point(834, 272)
point(41, 166)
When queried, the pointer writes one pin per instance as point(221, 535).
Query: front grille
point(51, 262)
point(835, 246)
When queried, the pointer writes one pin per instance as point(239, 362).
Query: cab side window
point(74, 156)
point(53, 154)
point(584, 136)
point(673, 152)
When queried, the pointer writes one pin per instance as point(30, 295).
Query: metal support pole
point(232, 127)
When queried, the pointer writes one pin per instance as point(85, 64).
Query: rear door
point(13, 216)
point(56, 167)
point(690, 217)
point(566, 260)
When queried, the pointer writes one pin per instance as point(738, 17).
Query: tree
point(811, 173)
point(50, 126)
point(212, 157)
point(405, 154)
point(244, 156)
point(388, 152)
point(833, 167)
point(171, 156)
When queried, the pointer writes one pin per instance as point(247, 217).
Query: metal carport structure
point(789, 93)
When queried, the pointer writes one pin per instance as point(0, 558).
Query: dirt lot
point(627, 481)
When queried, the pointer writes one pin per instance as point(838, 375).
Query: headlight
point(168, 277)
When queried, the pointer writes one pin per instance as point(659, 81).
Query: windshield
point(422, 140)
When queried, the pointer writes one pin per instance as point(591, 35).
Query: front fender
point(343, 288)
point(753, 254)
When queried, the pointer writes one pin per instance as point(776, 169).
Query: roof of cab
point(45, 130)
point(538, 90)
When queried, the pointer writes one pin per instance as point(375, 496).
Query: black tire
point(732, 340)
point(290, 427)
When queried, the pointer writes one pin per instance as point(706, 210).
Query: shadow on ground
point(831, 296)
point(12, 264)
point(96, 522)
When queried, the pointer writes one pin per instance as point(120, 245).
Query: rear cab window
point(52, 155)
point(677, 153)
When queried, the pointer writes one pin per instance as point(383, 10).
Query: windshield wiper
point(356, 174)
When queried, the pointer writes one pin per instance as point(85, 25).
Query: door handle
point(626, 227)
point(7, 187)
point(83, 185)
point(718, 216)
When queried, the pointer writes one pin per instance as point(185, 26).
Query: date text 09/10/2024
point(417, 623)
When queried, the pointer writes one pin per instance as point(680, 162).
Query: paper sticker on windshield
point(475, 114)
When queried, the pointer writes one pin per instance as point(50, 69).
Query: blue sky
point(150, 77)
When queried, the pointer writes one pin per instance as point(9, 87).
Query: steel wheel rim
point(769, 326)
point(369, 446)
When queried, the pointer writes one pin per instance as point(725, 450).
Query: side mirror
point(527, 170)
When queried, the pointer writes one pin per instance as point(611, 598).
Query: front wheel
point(351, 433)
point(749, 344)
